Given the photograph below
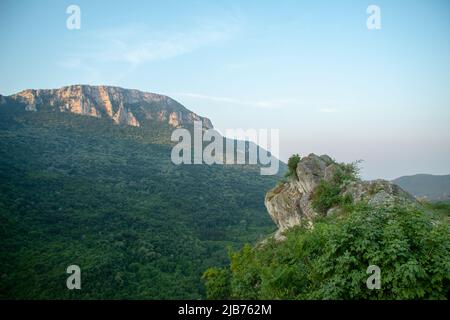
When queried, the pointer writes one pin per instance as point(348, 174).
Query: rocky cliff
point(291, 202)
point(123, 106)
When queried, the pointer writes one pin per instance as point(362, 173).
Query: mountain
point(430, 187)
point(123, 106)
point(81, 184)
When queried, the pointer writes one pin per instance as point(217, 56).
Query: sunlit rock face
point(123, 106)
point(290, 203)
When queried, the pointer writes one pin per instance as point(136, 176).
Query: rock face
point(378, 193)
point(123, 106)
point(290, 203)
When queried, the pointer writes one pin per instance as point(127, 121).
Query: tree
point(217, 282)
point(292, 165)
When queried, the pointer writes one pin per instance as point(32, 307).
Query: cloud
point(135, 45)
point(77, 64)
point(266, 104)
point(328, 110)
point(316, 105)
point(138, 45)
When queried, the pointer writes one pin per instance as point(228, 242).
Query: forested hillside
point(430, 187)
point(81, 190)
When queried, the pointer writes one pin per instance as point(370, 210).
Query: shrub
point(328, 194)
point(217, 282)
point(325, 196)
point(292, 165)
point(330, 261)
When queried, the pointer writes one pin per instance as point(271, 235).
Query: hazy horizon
point(312, 70)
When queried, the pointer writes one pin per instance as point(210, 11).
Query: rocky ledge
point(292, 201)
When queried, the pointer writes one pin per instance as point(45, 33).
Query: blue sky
point(311, 69)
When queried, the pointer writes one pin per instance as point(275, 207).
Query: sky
point(311, 69)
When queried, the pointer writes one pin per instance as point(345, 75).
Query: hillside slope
point(83, 190)
point(430, 187)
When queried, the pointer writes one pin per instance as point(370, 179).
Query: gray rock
point(289, 203)
point(123, 106)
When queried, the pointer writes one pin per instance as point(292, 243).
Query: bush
point(217, 282)
point(325, 196)
point(292, 165)
point(328, 194)
point(330, 261)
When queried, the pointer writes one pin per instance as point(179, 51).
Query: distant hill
point(431, 187)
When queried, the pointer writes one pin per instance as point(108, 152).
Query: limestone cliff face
point(290, 203)
point(123, 106)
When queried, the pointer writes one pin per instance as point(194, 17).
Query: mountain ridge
point(123, 106)
point(82, 190)
point(428, 186)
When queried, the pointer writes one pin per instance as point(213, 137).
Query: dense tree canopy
point(80, 190)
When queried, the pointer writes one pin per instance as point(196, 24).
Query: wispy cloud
point(269, 104)
point(321, 106)
point(76, 63)
point(328, 110)
point(134, 45)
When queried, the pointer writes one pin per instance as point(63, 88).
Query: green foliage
point(292, 165)
point(328, 194)
point(330, 261)
point(444, 207)
point(347, 172)
point(217, 282)
point(441, 208)
point(81, 190)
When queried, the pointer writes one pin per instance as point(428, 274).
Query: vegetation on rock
point(329, 193)
point(292, 165)
point(326, 256)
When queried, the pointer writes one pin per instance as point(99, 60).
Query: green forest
point(81, 190)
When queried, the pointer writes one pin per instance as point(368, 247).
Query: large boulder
point(378, 193)
point(290, 202)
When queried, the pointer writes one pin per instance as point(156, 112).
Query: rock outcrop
point(290, 203)
point(123, 106)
